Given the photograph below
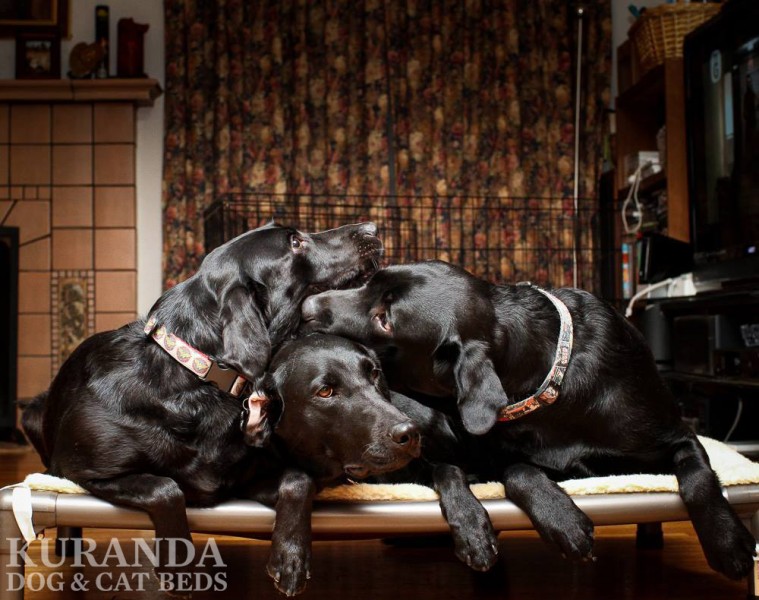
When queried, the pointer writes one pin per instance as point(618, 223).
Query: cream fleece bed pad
point(731, 467)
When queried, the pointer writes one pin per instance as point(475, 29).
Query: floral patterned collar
point(548, 392)
point(196, 361)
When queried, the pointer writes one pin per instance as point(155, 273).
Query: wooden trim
point(678, 202)
point(141, 92)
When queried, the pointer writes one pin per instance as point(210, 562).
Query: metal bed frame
point(350, 520)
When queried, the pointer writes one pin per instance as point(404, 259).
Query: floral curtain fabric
point(377, 97)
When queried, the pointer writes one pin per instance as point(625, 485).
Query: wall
point(149, 160)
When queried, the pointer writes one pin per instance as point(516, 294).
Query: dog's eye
point(325, 391)
point(296, 243)
point(381, 318)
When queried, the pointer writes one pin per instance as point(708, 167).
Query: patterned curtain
point(483, 106)
point(268, 96)
point(418, 97)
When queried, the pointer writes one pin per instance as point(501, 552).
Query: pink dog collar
point(196, 361)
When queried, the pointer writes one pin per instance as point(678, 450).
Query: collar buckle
point(225, 379)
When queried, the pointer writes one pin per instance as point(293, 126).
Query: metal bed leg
point(11, 565)
point(649, 536)
point(753, 579)
point(65, 544)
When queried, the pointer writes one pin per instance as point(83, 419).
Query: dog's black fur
point(446, 462)
point(336, 421)
point(131, 425)
point(442, 332)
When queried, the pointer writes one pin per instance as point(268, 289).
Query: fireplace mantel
point(141, 92)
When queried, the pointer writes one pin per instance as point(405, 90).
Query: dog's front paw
point(731, 551)
point(475, 542)
point(479, 554)
point(289, 567)
point(573, 534)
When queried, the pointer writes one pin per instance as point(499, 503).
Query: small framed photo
point(38, 55)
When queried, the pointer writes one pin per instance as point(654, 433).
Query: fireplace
point(68, 188)
point(8, 329)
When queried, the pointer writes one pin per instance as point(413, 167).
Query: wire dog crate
point(499, 239)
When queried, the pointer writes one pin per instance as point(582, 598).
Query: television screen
point(722, 87)
point(747, 67)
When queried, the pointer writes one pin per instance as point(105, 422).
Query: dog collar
point(548, 392)
point(196, 361)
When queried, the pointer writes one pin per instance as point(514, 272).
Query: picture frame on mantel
point(38, 55)
point(38, 16)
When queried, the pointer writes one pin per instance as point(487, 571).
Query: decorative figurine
point(130, 59)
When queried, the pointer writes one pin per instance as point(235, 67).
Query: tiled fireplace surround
point(67, 181)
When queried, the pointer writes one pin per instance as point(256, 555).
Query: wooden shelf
point(652, 183)
point(715, 380)
point(646, 93)
point(141, 92)
point(657, 99)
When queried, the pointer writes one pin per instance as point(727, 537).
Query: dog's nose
point(406, 435)
point(368, 229)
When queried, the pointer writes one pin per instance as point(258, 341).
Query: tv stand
point(708, 361)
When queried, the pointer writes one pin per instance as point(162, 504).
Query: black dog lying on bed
point(138, 426)
point(329, 409)
point(335, 420)
point(442, 332)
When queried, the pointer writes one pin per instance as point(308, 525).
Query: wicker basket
point(660, 31)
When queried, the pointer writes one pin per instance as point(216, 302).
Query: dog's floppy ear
point(246, 340)
point(480, 393)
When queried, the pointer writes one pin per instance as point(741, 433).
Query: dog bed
point(731, 467)
point(370, 510)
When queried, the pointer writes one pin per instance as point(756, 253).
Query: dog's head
point(245, 297)
point(400, 306)
point(285, 260)
point(335, 416)
point(434, 317)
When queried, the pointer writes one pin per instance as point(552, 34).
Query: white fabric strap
point(21, 500)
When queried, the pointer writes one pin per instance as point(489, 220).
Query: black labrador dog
point(331, 418)
point(133, 416)
point(334, 421)
point(441, 332)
